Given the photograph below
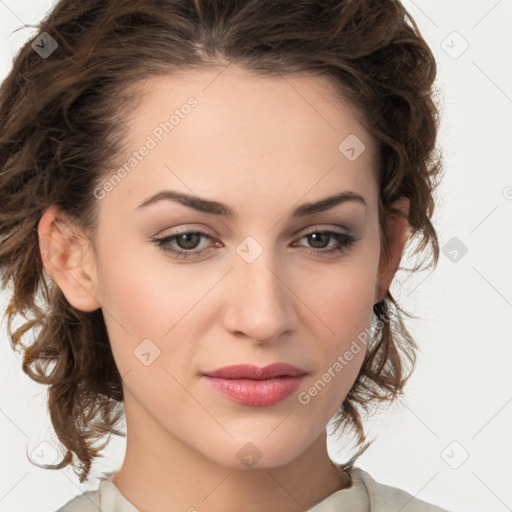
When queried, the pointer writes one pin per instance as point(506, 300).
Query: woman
point(214, 205)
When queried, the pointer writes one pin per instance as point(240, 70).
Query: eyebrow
point(220, 209)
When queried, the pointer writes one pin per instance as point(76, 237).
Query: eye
point(317, 238)
point(188, 241)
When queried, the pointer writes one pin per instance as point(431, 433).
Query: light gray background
point(458, 403)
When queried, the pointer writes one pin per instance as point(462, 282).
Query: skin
point(263, 146)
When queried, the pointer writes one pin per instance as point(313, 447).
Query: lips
point(250, 385)
point(247, 371)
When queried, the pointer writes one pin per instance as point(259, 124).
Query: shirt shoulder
point(365, 495)
point(87, 502)
point(106, 498)
point(386, 498)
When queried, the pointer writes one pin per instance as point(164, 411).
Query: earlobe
point(67, 256)
point(399, 231)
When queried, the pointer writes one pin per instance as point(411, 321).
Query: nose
point(260, 301)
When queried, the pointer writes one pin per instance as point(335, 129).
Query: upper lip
point(249, 371)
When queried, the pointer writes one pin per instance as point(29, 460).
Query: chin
point(264, 449)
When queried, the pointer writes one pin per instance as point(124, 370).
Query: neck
point(159, 471)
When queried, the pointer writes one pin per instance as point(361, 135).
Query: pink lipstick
point(250, 385)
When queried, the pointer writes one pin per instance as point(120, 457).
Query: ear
point(399, 230)
point(68, 257)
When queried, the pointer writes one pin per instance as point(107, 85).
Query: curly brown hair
point(60, 134)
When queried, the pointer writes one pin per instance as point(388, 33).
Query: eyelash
point(345, 241)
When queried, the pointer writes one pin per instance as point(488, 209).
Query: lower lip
point(257, 392)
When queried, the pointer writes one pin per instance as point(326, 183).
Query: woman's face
point(252, 287)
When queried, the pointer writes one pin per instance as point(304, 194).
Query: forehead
point(233, 132)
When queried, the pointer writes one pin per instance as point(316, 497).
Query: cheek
point(135, 302)
point(142, 298)
point(347, 312)
point(150, 300)
point(342, 294)
point(347, 309)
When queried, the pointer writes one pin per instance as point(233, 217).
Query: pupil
point(315, 237)
point(186, 238)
